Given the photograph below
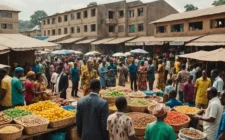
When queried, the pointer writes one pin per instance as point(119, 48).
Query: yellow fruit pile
point(48, 110)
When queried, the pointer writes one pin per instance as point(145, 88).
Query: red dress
point(142, 78)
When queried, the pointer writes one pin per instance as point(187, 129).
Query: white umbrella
point(139, 51)
point(63, 52)
point(78, 52)
point(4, 66)
point(127, 53)
point(119, 54)
point(93, 53)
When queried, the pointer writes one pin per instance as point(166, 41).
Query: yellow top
point(202, 86)
point(177, 66)
point(83, 68)
point(6, 84)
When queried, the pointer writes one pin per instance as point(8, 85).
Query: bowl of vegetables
point(138, 105)
point(111, 96)
point(190, 111)
point(192, 134)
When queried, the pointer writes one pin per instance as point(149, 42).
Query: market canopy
point(18, 42)
point(4, 49)
point(214, 56)
point(139, 51)
point(102, 41)
point(92, 53)
point(119, 40)
point(70, 40)
point(57, 38)
point(194, 55)
point(87, 41)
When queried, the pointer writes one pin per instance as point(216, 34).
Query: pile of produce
point(15, 112)
point(138, 102)
point(138, 94)
point(4, 118)
point(9, 129)
point(112, 107)
point(31, 120)
point(114, 93)
point(119, 88)
point(192, 133)
point(187, 109)
point(73, 110)
point(61, 101)
point(176, 118)
point(140, 120)
point(155, 98)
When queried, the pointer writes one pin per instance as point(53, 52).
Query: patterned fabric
point(112, 75)
point(142, 78)
point(120, 126)
point(183, 78)
point(40, 87)
point(122, 78)
point(159, 110)
point(161, 72)
point(6, 84)
point(87, 77)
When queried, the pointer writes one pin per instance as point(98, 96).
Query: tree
point(24, 25)
point(35, 19)
point(92, 4)
point(218, 2)
point(190, 7)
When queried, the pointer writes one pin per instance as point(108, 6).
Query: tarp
point(102, 41)
point(70, 40)
point(87, 41)
point(119, 40)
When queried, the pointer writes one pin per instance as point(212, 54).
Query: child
point(189, 92)
point(168, 88)
point(173, 101)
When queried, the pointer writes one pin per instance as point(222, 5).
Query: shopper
point(61, 82)
point(217, 81)
point(75, 77)
point(151, 74)
point(133, 75)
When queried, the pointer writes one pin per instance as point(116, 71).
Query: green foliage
point(24, 25)
point(190, 7)
point(218, 2)
point(92, 4)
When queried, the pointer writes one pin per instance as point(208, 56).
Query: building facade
point(9, 20)
point(36, 31)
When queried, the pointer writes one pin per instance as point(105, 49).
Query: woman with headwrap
point(159, 130)
point(122, 78)
point(142, 76)
point(161, 73)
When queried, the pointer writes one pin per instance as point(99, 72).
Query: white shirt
point(57, 83)
point(218, 84)
point(193, 73)
point(167, 65)
point(214, 110)
point(54, 77)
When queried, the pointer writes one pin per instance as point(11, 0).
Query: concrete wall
point(206, 27)
point(14, 21)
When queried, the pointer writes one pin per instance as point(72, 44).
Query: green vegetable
point(114, 93)
point(15, 113)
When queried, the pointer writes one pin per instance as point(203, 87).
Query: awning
point(119, 40)
point(70, 40)
point(102, 41)
point(214, 56)
point(87, 41)
point(57, 37)
point(4, 49)
point(194, 55)
point(18, 42)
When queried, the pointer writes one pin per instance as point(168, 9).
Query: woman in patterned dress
point(161, 72)
point(122, 78)
point(142, 77)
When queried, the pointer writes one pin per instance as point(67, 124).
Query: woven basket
point(62, 122)
point(188, 114)
point(140, 131)
point(110, 99)
point(178, 127)
point(10, 120)
point(137, 108)
point(34, 129)
point(11, 136)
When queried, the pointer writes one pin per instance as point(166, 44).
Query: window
point(72, 16)
point(131, 28)
point(6, 14)
point(72, 30)
point(194, 26)
point(121, 14)
point(111, 29)
point(93, 12)
point(59, 19)
point(44, 33)
point(59, 31)
point(140, 27)
point(217, 23)
point(78, 15)
point(48, 21)
point(6, 26)
point(120, 28)
point(161, 29)
point(85, 14)
point(65, 31)
point(65, 18)
point(93, 27)
point(85, 28)
point(131, 13)
point(110, 14)
point(49, 33)
point(177, 28)
point(140, 11)
point(53, 20)
point(78, 29)
point(53, 32)
point(44, 22)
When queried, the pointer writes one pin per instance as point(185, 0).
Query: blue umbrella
point(63, 52)
point(139, 51)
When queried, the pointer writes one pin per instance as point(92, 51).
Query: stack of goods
point(4, 119)
point(10, 131)
point(140, 121)
point(177, 120)
point(155, 98)
point(15, 113)
point(187, 110)
point(138, 105)
point(138, 94)
point(61, 101)
point(111, 96)
point(190, 133)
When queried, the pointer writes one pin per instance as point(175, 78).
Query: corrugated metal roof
point(102, 41)
point(193, 14)
point(87, 41)
point(70, 40)
point(166, 39)
point(7, 8)
point(56, 37)
point(119, 40)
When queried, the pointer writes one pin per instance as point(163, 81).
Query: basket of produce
point(15, 112)
point(150, 108)
point(33, 124)
point(62, 122)
point(177, 120)
point(192, 134)
point(61, 101)
point(11, 131)
point(120, 88)
point(4, 119)
point(138, 105)
point(112, 108)
point(138, 94)
point(111, 96)
point(140, 121)
point(190, 111)
point(155, 98)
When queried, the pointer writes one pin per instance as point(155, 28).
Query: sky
point(28, 7)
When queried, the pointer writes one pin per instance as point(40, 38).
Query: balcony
point(111, 21)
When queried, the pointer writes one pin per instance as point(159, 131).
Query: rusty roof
point(7, 8)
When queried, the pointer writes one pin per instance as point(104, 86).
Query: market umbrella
point(4, 66)
point(139, 51)
point(63, 52)
point(78, 52)
point(41, 52)
point(127, 53)
point(93, 53)
point(119, 54)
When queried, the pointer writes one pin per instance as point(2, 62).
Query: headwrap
point(18, 70)
point(159, 110)
point(30, 73)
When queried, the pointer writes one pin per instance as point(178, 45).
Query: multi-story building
point(9, 20)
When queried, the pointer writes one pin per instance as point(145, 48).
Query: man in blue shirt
point(221, 129)
point(133, 75)
point(17, 88)
point(75, 77)
point(173, 101)
point(151, 75)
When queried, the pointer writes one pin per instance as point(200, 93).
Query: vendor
point(173, 101)
point(212, 115)
point(40, 87)
point(159, 130)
